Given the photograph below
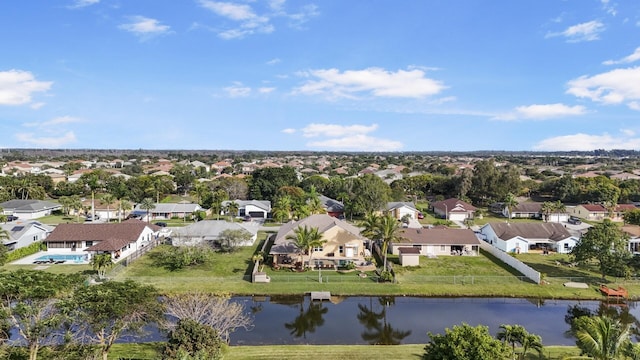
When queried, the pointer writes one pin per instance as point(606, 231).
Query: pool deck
point(29, 260)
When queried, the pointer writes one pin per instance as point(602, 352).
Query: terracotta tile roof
point(110, 237)
point(453, 205)
point(594, 207)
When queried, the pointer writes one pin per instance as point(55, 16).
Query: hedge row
point(25, 251)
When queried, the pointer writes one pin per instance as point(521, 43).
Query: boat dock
point(320, 295)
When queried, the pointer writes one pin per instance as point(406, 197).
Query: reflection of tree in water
point(307, 321)
point(378, 330)
point(620, 312)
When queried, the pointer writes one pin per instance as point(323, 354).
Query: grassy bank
point(352, 352)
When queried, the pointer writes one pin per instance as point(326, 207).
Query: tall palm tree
point(510, 202)
point(124, 206)
point(512, 335)
point(231, 209)
point(148, 205)
point(602, 337)
point(547, 208)
point(108, 200)
point(282, 209)
point(389, 232)
point(306, 239)
point(370, 226)
point(100, 263)
point(76, 204)
point(531, 342)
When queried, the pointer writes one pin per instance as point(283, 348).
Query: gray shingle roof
point(28, 205)
point(551, 231)
point(439, 236)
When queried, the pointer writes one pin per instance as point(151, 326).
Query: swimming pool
point(62, 257)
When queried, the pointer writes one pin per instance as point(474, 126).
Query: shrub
point(175, 258)
point(25, 251)
point(192, 340)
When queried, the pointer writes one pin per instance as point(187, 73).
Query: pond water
point(405, 320)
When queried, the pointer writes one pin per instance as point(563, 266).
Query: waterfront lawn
point(353, 352)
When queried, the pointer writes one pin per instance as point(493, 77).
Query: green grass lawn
point(352, 352)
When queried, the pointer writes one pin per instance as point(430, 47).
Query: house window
point(35, 238)
point(89, 243)
point(442, 248)
point(566, 246)
point(341, 249)
point(317, 248)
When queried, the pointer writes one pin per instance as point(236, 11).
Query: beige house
point(438, 241)
point(343, 243)
point(588, 211)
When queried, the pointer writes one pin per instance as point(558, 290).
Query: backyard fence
point(120, 265)
point(523, 268)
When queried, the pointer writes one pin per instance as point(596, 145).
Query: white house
point(29, 209)
point(523, 237)
point(454, 209)
point(163, 211)
point(208, 231)
point(401, 209)
point(254, 208)
point(25, 233)
point(118, 239)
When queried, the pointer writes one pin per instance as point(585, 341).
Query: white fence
point(523, 268)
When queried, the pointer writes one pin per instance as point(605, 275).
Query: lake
point(404, 320)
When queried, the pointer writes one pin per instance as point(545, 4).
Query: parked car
point(91, 218)
point(420, 215)
point(247, 218)
point(160, 223)
point(574, 220)
point(11, 217)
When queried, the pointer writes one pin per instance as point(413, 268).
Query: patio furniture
point(619, 292)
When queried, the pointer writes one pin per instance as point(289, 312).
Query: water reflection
point(617, 311)
point(377, 330)
point(307, 321)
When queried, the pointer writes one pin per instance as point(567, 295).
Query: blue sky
point(325, 75)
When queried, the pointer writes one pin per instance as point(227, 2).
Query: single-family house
point(25, 233)
point(620, 209)
point(453, 209)
point(524, 237)
point(401, 209)
point(29, 209)
point(342, 242)
point(118, 239)
point(333, 207)
point(588, 211)
point(633, 231)
point(528, 210)
point(163, 211)
point(208, 232)
point(438, 241)
point(254, 208)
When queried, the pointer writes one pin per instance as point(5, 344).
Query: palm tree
point(531, 342)
point(602, 337)
point(547, 208)
point(76, 204)
point(108, 200)
point(306, 239)
point(100, 263)
point(147, 204)
point(231, 209)
point(370, 226)
point(389, 232)
point(510, 202)
point(511, 334)
point(282, 209)
point(124, 206)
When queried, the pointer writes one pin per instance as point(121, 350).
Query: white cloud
point(612, 87)
point(374, 81)
point(543, 112)
point(17, 87)
point(609, 7)
point(625, 60)
point(55, 122)
point(249, 22)
point(274, 61)
point(145, 27)
point(628, 132)
point(634, 105)
point(588, 31)
point(586, 142)
point(47, 142)
point(77, 4)
point(289, 131)
point(238, 90)
point(357, 142)
point(333, 130)
point(266, 90)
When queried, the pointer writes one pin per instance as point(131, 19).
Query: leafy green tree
point(266, 182)
point(306, 239)
point(103, 313)
point(465, 342)
point(632, 217)
point(605, 243)
point(231, 209)
point(602, 338)
point(4, 236)
point(231, 239)
point(101, 262)
point(371, 194)
point(191, 339)
point(30, 301)
point(183, 176)
point(175, 258)
point(281, 211)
